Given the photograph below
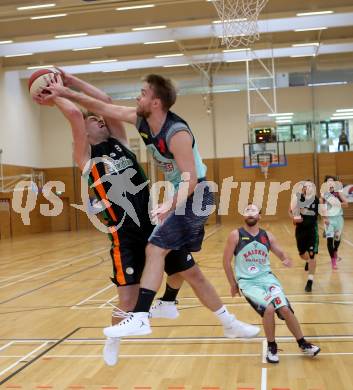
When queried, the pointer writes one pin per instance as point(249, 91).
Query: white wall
point(20, 135)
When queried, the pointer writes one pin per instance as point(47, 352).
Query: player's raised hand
point(66, 77)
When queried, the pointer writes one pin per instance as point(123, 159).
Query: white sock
point(311, 277)
point(223, 315)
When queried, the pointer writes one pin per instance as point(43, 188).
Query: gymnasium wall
point(20, 133)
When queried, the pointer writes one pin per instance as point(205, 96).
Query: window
point(300, 132)
point(284, 133)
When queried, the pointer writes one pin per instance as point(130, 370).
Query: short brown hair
point(87, 114)
point(163, 89)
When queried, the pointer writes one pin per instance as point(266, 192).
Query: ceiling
point(188, 23)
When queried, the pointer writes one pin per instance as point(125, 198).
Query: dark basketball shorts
point(185, 227)
point(307, 238)
point(128, 258)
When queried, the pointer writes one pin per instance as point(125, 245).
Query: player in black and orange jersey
point(117, 175)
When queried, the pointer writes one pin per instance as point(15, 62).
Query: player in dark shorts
point(304, 210)
point(117, 176)
point(106, 142)
point(181, 218)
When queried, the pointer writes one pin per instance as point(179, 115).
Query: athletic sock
point(144, 300)
point(301, 342)
point(311, 277)
point(223, 315)
point(170, 294)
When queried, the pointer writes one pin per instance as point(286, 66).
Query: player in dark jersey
point(250, 246)
point(112, 176)
point(333, 200)
point(304, 209)
point(180, 227)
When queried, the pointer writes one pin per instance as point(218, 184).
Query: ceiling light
point(314, 13)
point(36, 6)
point(4, 42)
point(284, 118)
point(282, 114)
point(88, 48)
point(235, 50)
point(306, 44)
point(284, 121)
point(331, 83)
point(48, 16)
point(71, 35)
point(229, 20)
point(303, 55)
point(345, 110)
point(343, 114)
point(135, 7)
point(243, 60)
point(157, 42)
point(175, 66)
point(19, 55)
point(114, 70)
point(169, 55)
point(341, 118)
point(311, 29)
point(40, 67)
point(103, 61)
point(148, 28)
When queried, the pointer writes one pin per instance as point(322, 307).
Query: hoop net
point(239, 19)
point(264, 167)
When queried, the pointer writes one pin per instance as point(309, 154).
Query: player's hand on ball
point(66, 77)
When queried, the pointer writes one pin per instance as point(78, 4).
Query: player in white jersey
point(250, 246)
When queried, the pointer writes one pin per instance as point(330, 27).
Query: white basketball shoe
point(164, 309)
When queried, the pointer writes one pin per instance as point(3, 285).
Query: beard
point(142, 112)
point(251, 221)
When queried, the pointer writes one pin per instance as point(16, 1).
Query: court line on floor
point(182, 339)
point(52, 282)
point(68, 262)
point(22, 358)
point(36, 357)
point(167, 355)
point(93, 295)
point(6, 345)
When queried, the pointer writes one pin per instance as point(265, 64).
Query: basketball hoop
point(264, 165)
point(239, 19)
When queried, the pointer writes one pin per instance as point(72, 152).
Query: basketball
point(38, 80)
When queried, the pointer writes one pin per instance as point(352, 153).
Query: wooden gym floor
point(55, 299)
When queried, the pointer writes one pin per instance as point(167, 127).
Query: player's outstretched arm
point(72, 81)
point(75, 118)
point(111, 111)
point(278, 251)
point(228, 255)
point(115, 126)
